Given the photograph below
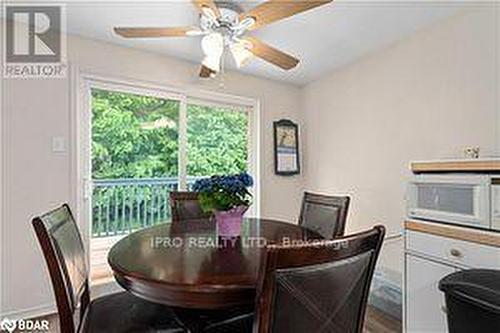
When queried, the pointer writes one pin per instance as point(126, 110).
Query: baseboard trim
point(34, 312)
point(389, 307)
point(386, 296)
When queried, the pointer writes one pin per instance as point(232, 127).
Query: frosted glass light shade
point(240, 54)
point(213, 44)
point(212, 62)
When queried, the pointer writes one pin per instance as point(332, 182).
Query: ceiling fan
point(224, 25)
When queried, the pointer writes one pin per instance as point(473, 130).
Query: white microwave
point(464, 199)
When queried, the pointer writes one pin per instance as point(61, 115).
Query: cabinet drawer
point(456, 252)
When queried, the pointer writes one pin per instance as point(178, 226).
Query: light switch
point(58, 144)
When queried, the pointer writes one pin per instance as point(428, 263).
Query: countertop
point(485, 237)
point(457, 165)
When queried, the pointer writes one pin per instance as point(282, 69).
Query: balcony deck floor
point(100, 272)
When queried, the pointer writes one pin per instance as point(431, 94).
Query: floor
point(376, 322)
point(100, 272)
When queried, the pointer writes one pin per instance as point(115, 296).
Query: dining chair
point(63, 249)
point(319, 286)
point(186, 206)
point(326, 215)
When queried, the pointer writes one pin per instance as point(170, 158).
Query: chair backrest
point(185, 206)
point(320, 286)
point(324, 214)
point(62, 247)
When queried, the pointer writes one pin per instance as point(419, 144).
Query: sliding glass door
point(217, 140)
point(134, 160)
point(142, 143)
point(145, 144)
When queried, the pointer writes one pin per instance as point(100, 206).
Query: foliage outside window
point(135, 155)
point(217, 141)
point(133, 136)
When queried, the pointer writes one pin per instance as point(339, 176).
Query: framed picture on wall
point(286, 147)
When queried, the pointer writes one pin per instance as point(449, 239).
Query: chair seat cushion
point(123, 312)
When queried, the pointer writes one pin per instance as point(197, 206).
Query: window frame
point(251, 156)
point(80, 133)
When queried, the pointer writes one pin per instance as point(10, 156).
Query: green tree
point(133, 136)
point(217, 141)
point(136, 136)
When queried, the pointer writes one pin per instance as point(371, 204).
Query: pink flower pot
point(229, 222)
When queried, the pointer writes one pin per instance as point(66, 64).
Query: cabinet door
point(424, 301)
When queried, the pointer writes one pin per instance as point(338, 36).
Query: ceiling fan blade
point(207, 3)
point(206, 72)
point(132, 32)
point(275, 10)
point(271, 54)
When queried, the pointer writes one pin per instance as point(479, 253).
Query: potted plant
point(228, 198)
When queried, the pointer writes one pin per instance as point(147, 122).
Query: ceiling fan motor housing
point(226, 24)
point(229, 17)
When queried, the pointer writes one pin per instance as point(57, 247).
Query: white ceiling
point(324, 38)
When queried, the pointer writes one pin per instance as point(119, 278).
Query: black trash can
point(472, 300)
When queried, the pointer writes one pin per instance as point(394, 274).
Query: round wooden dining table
point(185, 263)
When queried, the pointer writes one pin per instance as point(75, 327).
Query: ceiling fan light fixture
point(212, 62)
point(213, 44)
point(240, 54)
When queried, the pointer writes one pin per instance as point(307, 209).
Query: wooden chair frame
point(320, 252)
point(60, 278)
point(342, 202)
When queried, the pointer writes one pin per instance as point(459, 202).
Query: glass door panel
point(134, 160)
point(217, 141)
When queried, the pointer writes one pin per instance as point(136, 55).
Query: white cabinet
point(453, 251)
point(424, 301)
point(429, 258)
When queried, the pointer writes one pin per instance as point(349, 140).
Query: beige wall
point(37, 179)
point(426, 97)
